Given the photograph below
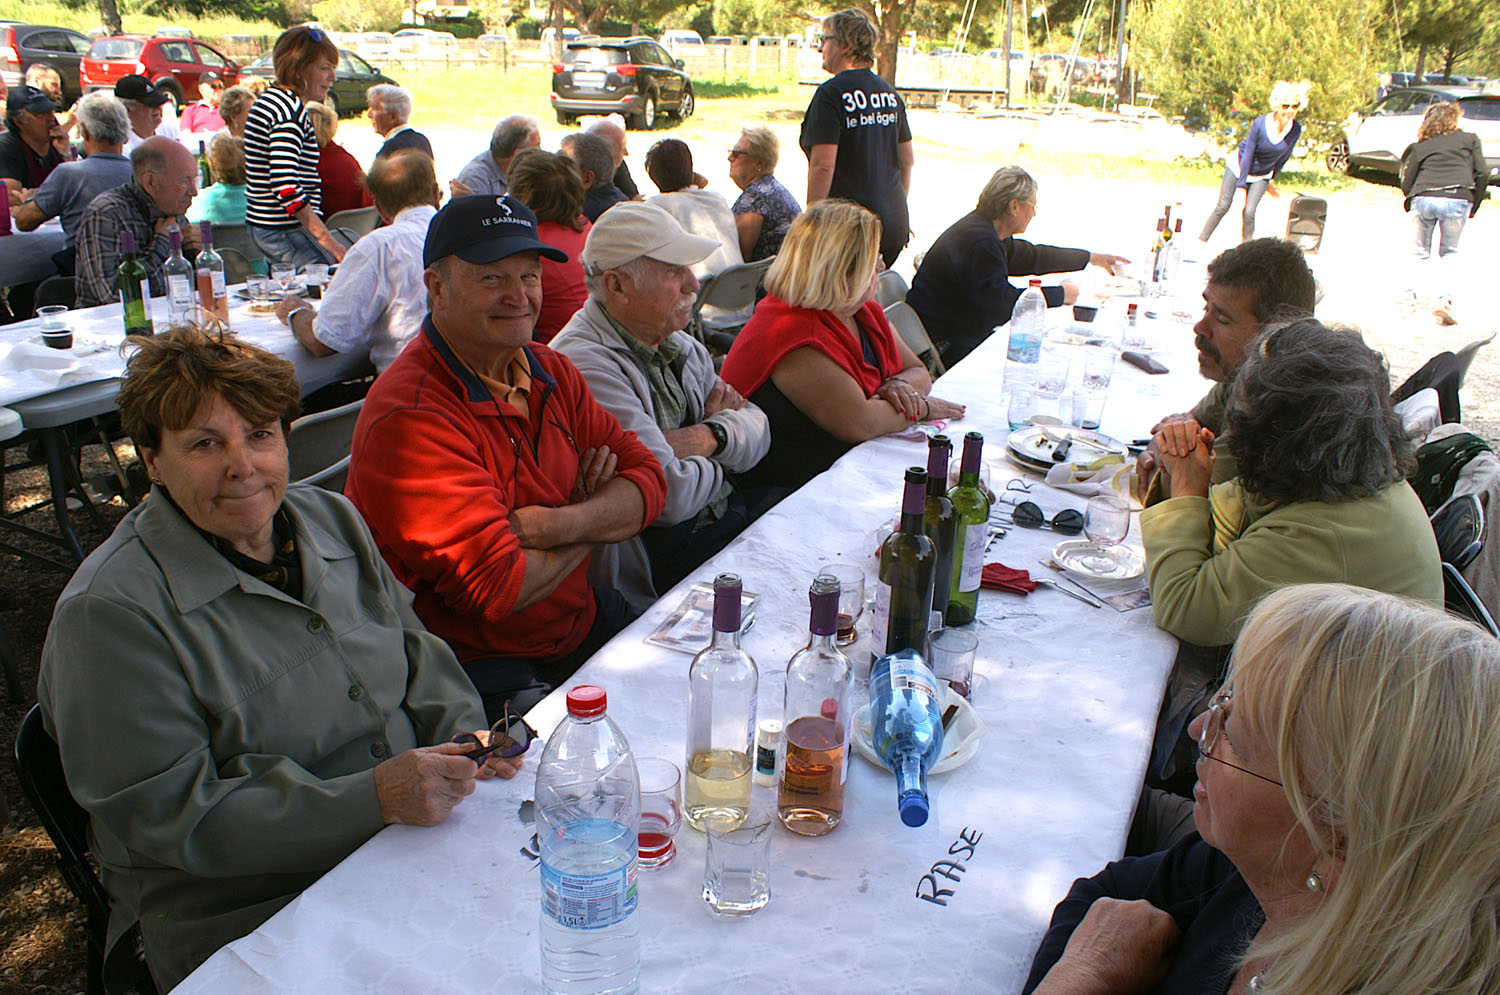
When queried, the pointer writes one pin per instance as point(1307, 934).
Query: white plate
point(1070, 556)
point(960, 739)
point(1035, 443)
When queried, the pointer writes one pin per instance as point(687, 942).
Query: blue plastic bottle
point(588, 812)
point(906, 727)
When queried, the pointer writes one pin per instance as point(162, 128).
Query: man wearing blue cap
point(487, 471)
point(27, 153)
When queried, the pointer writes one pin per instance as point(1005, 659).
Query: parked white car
point(1376, 138)
point(376, 45)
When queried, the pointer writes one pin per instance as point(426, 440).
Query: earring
point(1314, 881)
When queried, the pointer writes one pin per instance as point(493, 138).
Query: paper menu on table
point(690, 626)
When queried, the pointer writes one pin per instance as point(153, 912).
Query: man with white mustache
point(628, 342)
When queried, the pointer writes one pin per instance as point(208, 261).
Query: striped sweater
point(281, 160)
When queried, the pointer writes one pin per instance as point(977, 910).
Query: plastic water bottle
point(906, 727)
point(588, 812)
point(1027, 322)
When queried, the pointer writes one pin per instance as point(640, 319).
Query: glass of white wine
point(1106, 523)
point(283, 274)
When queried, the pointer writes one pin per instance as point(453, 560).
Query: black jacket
point(1450, 165)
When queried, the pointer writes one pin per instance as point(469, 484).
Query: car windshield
point(594, 56)
point(116, 48)
point(1481, 109)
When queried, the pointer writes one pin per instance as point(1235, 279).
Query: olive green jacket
point(1209, 560)
point(221, 735)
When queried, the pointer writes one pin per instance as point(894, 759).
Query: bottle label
point(179, 293)
point(973, 569)
point(146, 296)
point(216, 278)
point(909, 675)
point(589, 901)
point(881, 624)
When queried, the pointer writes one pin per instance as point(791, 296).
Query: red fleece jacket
point(438, 464)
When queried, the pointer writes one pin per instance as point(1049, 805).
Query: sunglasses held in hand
point(509, 737)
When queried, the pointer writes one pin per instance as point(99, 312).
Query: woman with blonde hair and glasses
point(1254, 164)
point(819, 356)
point(1444, 177)
point(1348, 810)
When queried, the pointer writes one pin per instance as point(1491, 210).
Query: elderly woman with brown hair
point(1444, 177)
point(819, 357)
point(342, 177)
point(764, 209)
point(1348, 801)
point(223, 203)
point(281, 153)
point(234, 108)
point(237, 683)
point(549, 183)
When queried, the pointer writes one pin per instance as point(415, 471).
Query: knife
point(1087, 599)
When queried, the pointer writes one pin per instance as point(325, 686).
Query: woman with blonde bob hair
point(1348, 802)
point(1255, 163)
point(819, 356)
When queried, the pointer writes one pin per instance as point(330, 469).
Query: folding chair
point(361, 221)
point(1460, 529)
point(39, 767)
point(237, 266)
point(732, 289)
point(905, 320)
point(56, 290)
point(319, 446)
point(1459, 598)
point(1465, 356)
point(890, 288)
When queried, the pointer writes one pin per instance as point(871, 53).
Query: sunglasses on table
point(1029, 515)
point(510, 737)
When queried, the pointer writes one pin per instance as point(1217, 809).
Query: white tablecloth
point(1069, 694)
point(30, 369)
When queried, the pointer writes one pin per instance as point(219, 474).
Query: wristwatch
point(721, 437)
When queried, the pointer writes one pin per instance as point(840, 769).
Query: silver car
point(1374, 139)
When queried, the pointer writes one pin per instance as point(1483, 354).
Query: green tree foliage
point(358, 15)
point(1444, 32)
point(755, 17)
point(276, 11)
point(1216, 60)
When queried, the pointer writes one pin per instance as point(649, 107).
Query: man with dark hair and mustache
point(659, 381)
point(1254, 283)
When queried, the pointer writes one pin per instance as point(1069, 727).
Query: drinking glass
point(1088, 407)
point(1052, 376)
point(737, 871)
point(951, 653)
point(1098, 368)
point(257, 288)
point(54, 317)
point(661, 811)
point(851, 578)
point(1022, 406)
point(283, 274)
point(1106, 523)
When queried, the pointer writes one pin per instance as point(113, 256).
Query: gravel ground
point(1363, 265)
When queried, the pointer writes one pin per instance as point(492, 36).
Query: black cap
point(135, 87)
point(210, 78)
point(28, 98)
point(484, 229)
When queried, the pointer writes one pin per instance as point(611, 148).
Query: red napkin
point(999, 577)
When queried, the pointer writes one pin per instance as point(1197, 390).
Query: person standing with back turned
point(855, 134)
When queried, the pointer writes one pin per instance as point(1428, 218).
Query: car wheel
point(1338, 158)
point(565, 118)
point(171, 89)
point(685, 108)
point(645, 120)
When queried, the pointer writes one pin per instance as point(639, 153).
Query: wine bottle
point(205, 173)
point(722, 682)
point(903, 590)
point(134, 285)
point(906, 727)
point(213, 295)
point(939, 520)
point(178, 274)
point(816, 710)
point(972, 506)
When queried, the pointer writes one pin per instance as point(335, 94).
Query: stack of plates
point(1032, 446)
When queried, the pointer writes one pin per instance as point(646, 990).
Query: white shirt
point(377, 299)
point(706, 213)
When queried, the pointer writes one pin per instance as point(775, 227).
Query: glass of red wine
point(661, 811)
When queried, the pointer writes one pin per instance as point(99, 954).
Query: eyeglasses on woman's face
point(1213, 731)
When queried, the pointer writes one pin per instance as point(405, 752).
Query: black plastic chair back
point(1459, 527)
point(56, 290)
point(1459, 598)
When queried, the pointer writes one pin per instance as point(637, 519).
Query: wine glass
point(1106, 523)
point(283, 273)
point(851, 578)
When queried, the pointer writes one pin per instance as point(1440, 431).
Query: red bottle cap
point(586, 701)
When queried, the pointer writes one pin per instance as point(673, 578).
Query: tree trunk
point(890, 22)
point(109, 13)
point(1421, 62)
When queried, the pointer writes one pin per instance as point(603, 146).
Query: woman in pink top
point(552, 187)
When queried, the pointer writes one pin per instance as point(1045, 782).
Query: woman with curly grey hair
point(1348, 811)
point(1444, 177)
point(855, 134)
point(1321, 494)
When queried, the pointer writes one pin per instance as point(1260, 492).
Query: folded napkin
point(41, 363)
point(999, 577)
point(1110, 474)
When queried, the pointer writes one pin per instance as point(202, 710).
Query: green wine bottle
point(939, 520)
point(205, 173)
point(134, 284)
point(972, 506)
point(903, 592)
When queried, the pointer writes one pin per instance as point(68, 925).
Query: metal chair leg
point(53, 447)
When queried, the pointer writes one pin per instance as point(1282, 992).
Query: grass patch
point(708, 88)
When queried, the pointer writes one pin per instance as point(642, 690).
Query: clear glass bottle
point(722, 684)
point(972, 505)
point(179, 277)
point(213, 294)
point(134, 285)
point(817, 715)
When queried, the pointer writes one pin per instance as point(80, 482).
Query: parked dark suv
point(173, 64)
point(25, 45)
point(353, 78)
point(635, 77)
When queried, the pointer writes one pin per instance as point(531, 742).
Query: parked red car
point(173, 64)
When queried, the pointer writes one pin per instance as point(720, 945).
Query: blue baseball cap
point(29, 99)
point(484, 229)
